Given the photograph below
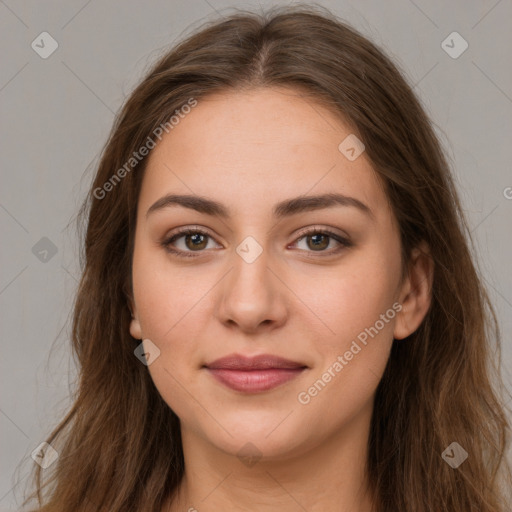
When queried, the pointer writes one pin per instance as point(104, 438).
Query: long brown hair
point(120, 446)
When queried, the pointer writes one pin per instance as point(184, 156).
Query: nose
point(252, 296)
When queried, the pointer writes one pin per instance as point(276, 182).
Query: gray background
point(56, 114)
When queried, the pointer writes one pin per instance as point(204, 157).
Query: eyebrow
point(282, 209)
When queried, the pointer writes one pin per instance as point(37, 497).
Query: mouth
point(254, 374)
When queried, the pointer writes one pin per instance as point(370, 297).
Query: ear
point(135, 329)
point(416, 292)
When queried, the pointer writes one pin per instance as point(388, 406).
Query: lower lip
point(252, 381)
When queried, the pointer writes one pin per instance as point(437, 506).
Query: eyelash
point(345, 243)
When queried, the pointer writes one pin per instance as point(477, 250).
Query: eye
point(195, 240)
point(319, 239)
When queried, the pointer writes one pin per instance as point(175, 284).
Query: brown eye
point(319, 240)
point(195, 240)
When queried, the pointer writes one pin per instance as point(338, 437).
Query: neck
point(325, 477)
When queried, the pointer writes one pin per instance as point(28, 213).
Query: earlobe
point(135, 329)
point(416, 293)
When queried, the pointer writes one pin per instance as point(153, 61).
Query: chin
point(267, 437)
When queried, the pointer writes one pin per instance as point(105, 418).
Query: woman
point(278, 308)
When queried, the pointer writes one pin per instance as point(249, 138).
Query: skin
point(249, 150)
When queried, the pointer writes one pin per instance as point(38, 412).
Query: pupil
point(196, 237)
point(317, 243)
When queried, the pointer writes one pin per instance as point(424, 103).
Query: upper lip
point(260, 362)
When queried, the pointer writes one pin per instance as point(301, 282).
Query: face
point(315, 283)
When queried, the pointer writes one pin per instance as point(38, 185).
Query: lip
point(260, 362)
point(254, 374)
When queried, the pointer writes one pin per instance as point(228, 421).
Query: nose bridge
point(250, 279)
point(251, 294)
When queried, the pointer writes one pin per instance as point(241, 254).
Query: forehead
point(250, 148)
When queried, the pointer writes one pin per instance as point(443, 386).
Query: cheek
point(359, 307)
point(353, 357)
point(168, 308)
point(353, 297)
point(164, 296)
